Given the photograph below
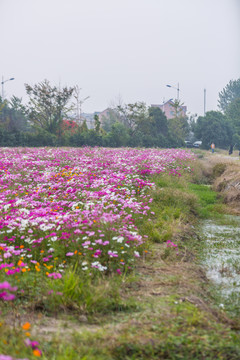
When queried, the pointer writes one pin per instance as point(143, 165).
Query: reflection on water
point(221, 255)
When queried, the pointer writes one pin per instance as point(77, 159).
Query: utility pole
point(2, 88)
point(79, 103)
point(204, 102)
point(77, 97)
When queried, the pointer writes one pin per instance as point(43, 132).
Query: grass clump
point(209, 203)
point(218, 170)
point(172, 207)
point(86, 295)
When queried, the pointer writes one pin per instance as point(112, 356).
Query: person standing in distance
point(212, 147)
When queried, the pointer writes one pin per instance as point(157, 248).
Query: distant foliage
point(233, 114)
point(229, 103)
point(214, 127)
point(229, 94)
point(69, 125)
point(45, 121)
point(47, 105)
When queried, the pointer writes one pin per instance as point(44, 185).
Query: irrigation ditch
point(220, 256)
point(221, 259)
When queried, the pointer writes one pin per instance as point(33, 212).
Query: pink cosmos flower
point(7, 357)
point(6, 286)
point(86, 243)
point(34, 345)
point(55, 275)
point(77, 231)
point(5, 295)
point(171, 244)
point(12, 271)
point(117, 174)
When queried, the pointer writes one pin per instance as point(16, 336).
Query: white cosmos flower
point(136, 253)
point(6, 207)
point(102, 268)
point(45, 227)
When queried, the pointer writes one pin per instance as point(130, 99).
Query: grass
point(173, 206)
point(209, 203)
point(162, 310)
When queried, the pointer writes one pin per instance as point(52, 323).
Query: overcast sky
point(127, 48)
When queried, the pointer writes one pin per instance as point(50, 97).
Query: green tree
point(214, 127)
point(97, 124)
point(192, 120)
point(132, 114)
point(108, 120)
point(158, 121)
point(177, 108)
point(12, 115)
point(233, 114)
point(178, 126)
point(83, 127)
point(17, 105)
point(48, 105)
point(236, 141)
point(118, 136)
point(177, 131)
point(151, 129)
point(229, 94)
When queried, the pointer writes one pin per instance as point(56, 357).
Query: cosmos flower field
point(75, 207)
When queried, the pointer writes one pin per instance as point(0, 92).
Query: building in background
point(168, 109)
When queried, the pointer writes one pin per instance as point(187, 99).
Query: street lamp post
point(3, 82)
point(176, 89)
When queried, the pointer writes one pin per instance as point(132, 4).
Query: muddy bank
point(223, 173)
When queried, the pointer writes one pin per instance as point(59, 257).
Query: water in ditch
point(221, 259)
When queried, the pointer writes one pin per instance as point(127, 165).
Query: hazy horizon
point(130, 49)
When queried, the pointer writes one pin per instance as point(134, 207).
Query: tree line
point(47, 120)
